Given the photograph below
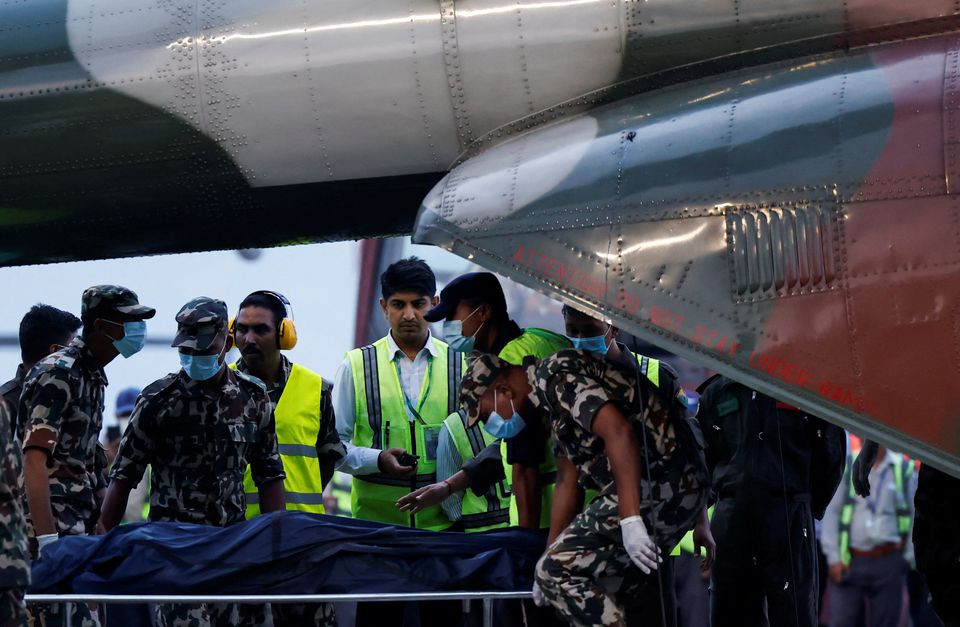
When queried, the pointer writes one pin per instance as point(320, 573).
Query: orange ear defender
point(286, 332)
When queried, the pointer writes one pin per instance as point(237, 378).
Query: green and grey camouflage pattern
point(482, 370)
point(199, 322)
point(101, 299)
point(198, 444)
point(209, 615)
point(570, 387)
point(61, 411)
point(586, 574)
point(14, 559)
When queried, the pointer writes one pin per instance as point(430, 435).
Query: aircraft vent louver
point(781, 251)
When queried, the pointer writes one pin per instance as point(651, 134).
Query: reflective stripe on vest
point(478, 513)
point(650, 368)
point(539, 343)
point(902, 470)
point(297, 416)
point(381, 422)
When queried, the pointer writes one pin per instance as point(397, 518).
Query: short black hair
point(408, 275)
point(42, 326)
point(498, 315)
point(268, 302)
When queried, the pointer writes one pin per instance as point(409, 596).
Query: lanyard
point(403, 392)
point(872, 503)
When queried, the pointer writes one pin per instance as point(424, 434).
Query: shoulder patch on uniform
point(159, 386)
point(249, 378)
point(6, 387)
point(65, 359)
point(728, 406)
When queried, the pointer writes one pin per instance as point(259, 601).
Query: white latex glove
point(641, 549)
point(538, 598)
point(46, 540)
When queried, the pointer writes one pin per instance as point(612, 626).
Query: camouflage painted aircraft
point(768, 188)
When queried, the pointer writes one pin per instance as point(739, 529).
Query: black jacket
point(757, 446)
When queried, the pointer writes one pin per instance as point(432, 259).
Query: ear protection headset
point(286, 331)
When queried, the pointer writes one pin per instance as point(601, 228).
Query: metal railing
point(67, 600)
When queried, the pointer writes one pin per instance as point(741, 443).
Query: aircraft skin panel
point(121, 121)
point(789, 225)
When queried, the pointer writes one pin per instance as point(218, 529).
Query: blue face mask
point(597, 344)
point(499, 427)
point(453, 334)
point(134, 338)
point(201, 367)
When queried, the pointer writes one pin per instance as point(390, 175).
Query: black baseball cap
point(475, 286)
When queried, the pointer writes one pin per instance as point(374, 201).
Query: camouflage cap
point(199, 322)
point(482, 370)
point(102, 299)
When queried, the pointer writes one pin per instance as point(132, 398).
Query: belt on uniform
point(878, 551)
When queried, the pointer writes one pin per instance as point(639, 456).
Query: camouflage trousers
point(586, 574)
point(12, 611)
point(209, 615)
point(297, 614)
point(53, 615)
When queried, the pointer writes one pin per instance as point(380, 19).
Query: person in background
point(126, 399)
point(61, 408)
point(336, 496)
point(199, 428)
point(43, 330)
point(390, 399)
point(137, 505)
point(306, 428)
point(936, 533)
point(14, 556)
point(774, 468)
point(475, 318)
point(867, 543)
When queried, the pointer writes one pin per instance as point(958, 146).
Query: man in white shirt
point(390, 399)
point(867, 543)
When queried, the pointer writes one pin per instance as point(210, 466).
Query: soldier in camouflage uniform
point(602, 416)
point(43, 330)
point(198, 428)
point(14, 561)
point(61, 409)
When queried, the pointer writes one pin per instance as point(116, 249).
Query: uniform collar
point(87, 359)
point(21, 375)
point(394, 348)
point(198, 389)
point(285, 367)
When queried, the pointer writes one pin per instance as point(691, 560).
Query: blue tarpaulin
point(286, 553)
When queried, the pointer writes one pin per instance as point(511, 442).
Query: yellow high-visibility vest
point(297, 416)
point(381, 422)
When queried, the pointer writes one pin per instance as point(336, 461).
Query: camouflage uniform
point(198, 443)
point(11, 391)
point(61, 412)
point(586, 574)
point(14, 560)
